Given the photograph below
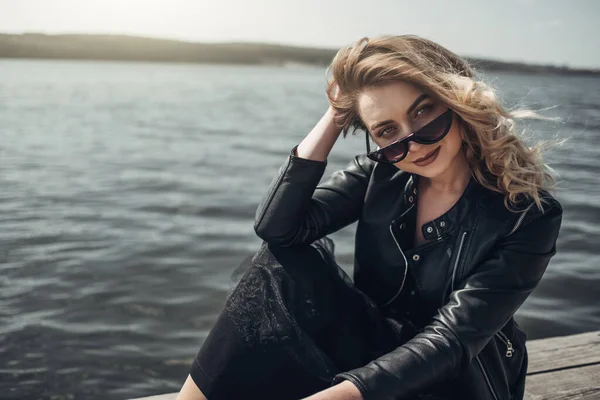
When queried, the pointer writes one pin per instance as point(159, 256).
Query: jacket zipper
point(509, 347)
point(405, 268)
point(487, 379)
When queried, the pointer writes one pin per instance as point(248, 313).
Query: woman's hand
point(319, 142)
point(345, 390)
point(335, 92)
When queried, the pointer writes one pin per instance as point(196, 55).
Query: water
point(128, 192)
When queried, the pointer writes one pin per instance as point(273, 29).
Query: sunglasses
point(431, 133)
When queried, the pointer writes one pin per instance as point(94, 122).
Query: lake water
point(127, 198)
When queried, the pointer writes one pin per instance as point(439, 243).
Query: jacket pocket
point(488, 378)
point(503, 364)
point(510, 350)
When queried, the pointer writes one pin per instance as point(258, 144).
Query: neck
point(453, 180)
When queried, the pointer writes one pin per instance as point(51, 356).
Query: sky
point(557, 32)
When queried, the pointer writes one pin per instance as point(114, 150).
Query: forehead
point(387, 101)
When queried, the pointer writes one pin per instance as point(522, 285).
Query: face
point(395, 110)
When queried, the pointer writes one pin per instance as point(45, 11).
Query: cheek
point(453, 141)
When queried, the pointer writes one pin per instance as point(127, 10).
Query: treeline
point(131, 48)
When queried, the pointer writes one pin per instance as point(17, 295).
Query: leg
point(190, 391)
point(290, 325)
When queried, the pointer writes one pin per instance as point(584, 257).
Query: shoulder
point(364, 163)
point(492, 207)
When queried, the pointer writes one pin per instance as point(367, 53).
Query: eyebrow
point(415, 103)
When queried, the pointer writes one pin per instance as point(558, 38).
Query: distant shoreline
point(135, 48)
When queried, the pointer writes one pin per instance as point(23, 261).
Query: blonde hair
point(498, 157)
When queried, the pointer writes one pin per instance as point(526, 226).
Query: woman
point(455, 229)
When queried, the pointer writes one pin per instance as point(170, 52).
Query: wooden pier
point(565, 367)
point(560, 368)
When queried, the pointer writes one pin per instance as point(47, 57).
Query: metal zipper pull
point(509, 349)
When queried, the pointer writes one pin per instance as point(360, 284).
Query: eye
point(386, 131)
point(423, 110)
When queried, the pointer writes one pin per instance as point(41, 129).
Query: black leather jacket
point(461, 290)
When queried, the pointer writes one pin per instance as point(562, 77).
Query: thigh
point(293, 321)
point(301, 297)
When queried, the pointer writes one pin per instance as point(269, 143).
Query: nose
point(414, 147)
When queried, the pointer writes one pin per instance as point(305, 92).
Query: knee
point(294, 259)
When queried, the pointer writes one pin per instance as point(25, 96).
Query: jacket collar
point(451, 219)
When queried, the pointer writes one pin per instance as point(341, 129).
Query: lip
point(428, 158)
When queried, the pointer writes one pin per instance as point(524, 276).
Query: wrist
point(331, 113)
point(350, 390)
point(344, 390)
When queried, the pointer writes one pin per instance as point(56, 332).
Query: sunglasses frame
point(414, 136)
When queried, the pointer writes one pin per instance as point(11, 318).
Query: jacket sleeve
point(479, 307)
point(295, 211)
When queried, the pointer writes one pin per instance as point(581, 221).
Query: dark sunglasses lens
point(394, 151)
point(434, 130)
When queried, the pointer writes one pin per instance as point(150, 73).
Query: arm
point(343, 391)
point(295, 211)
point(476, 310)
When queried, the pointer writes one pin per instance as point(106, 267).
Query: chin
point(431, 171)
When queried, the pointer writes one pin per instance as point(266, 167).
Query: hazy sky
point(563, 32)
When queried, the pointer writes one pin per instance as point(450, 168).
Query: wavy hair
point(498, 157)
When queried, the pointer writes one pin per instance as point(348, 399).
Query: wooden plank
point(560, 368)
point(581, 383)
point(563, 352)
